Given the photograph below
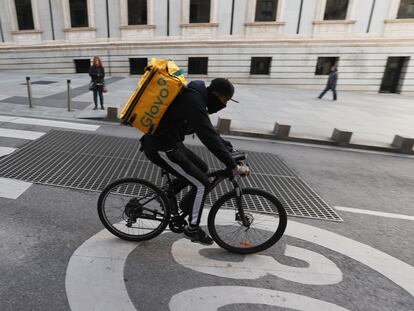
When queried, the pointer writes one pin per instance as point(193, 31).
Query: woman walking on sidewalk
point(97, 74)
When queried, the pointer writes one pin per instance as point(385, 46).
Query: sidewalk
point(374, 119)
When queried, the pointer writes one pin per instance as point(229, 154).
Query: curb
point(339, 138)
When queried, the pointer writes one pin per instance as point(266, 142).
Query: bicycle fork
point(240, 216)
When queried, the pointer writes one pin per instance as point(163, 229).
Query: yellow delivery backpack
point(160, 84)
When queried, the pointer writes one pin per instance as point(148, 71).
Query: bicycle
point(142, 211)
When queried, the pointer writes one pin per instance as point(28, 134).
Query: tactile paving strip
point(91, 161)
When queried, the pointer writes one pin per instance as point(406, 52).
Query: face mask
point(214, 103)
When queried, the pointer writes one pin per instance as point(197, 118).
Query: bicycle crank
point(177, 224)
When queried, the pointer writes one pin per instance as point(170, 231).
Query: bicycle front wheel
point(262, 230)
point(133, 209)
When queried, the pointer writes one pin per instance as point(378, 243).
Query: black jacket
point(97, 74)
point(186, 115)
point(332, 79)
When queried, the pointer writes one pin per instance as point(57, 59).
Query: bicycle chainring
point(177, 224)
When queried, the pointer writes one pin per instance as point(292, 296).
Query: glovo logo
point(147, 119)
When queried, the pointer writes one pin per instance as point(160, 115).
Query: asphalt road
point(55, 255)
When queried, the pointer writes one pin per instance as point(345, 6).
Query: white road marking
point(52, 123)
point(6, 118)
point(373, 213)
point(98, 265)
point(20, 134)
point(394, 269)
point(95, 274)
point(216, 297)
point(12, 188)
point(59, 124)
point(320, 270)
point(6, 150)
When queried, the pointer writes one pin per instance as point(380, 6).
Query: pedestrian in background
point(97, 74)
point(331, 84)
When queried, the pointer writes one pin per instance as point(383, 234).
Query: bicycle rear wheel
point(133, 209)
point(263, 230)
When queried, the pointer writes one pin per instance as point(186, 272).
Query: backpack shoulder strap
point(191, 90)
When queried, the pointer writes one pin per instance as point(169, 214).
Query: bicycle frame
point(218, 176)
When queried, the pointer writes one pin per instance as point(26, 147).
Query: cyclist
point(188, 114)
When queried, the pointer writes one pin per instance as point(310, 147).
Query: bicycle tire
point(128, 196)
point(223, 228)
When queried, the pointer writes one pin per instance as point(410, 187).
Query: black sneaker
point(196, 234)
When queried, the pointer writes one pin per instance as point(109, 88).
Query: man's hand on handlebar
point(242, 170)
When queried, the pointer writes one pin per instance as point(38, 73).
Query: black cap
point(223, 87)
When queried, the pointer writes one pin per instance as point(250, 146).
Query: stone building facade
point(274, 42)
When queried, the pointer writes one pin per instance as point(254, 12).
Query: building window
point(266, 10)
point(78, 13)
point(336, 9)
point(137, 65)
point(82, 65)
point(199, 11)
point(324, 65)
point(137, 12)
point(197, 65)
point(406, 9)
point(260, 65)
point(24, 14)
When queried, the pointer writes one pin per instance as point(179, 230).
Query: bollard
point(112, 114)
point(69, 95)
point(29, 91)
point(341, 138)
point(281, 130)
point(223, 126)
point(403, 144)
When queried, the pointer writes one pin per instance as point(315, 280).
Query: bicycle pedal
point(194, 240)
point(199, 242)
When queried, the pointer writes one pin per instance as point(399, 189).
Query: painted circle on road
point(216, 297)
point(95, 280)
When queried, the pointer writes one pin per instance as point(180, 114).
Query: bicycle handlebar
point(239, 156)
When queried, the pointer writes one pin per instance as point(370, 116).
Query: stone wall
point(361, 63)
point(294, 41)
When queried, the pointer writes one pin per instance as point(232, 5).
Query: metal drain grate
point(91, 161)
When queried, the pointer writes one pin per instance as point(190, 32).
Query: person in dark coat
point(331, 84)
point(188, 114)
point(97, 73)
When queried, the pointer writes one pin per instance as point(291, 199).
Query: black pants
point(98, 90)
point(329, 87)
point(185, 164)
